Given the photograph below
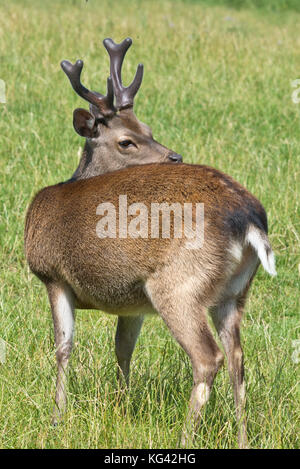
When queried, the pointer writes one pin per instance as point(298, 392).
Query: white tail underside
point(260, 242)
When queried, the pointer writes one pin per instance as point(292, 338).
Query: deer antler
point(124, 96)
point(104, 103)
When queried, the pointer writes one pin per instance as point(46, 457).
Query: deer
point(115, 138)
point(133, 276)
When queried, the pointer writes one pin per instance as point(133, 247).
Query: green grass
point(262, 5)
point(217, 89)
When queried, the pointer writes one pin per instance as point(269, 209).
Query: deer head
point(115, 138)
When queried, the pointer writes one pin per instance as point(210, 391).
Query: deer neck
point(86, 169)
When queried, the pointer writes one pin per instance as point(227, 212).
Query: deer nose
point(175, 158)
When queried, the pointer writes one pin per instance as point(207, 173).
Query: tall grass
point(217, 89)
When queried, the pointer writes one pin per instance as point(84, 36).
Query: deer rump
point(113, 274)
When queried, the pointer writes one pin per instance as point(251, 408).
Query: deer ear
point(84, 123)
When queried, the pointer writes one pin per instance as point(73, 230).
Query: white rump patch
point(260, 242)
point(236, 251)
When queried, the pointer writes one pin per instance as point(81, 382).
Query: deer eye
point(126, 143)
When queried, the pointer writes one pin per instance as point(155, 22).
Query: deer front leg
point(128, 330)
point(62, 306)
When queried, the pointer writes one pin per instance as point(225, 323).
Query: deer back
point(62, 243)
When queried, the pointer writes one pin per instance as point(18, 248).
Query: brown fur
point(129, 277)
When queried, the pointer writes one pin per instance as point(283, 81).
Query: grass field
point(217, 89)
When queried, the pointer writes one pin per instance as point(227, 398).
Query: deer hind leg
point(227, 317)
point(206, 359)
point(186, 319)
point(128, 330)
point(62, 307)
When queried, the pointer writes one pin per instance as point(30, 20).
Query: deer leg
point(62, 306)
point(186, 319)
point(128, 330)
point(206, 359)
point(227, 317)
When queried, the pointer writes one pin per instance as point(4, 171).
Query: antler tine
point(124, 96)
point(104, 103)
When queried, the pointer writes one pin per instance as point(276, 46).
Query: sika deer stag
point(138, 275)
point(145, 271)
point(115, 138)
